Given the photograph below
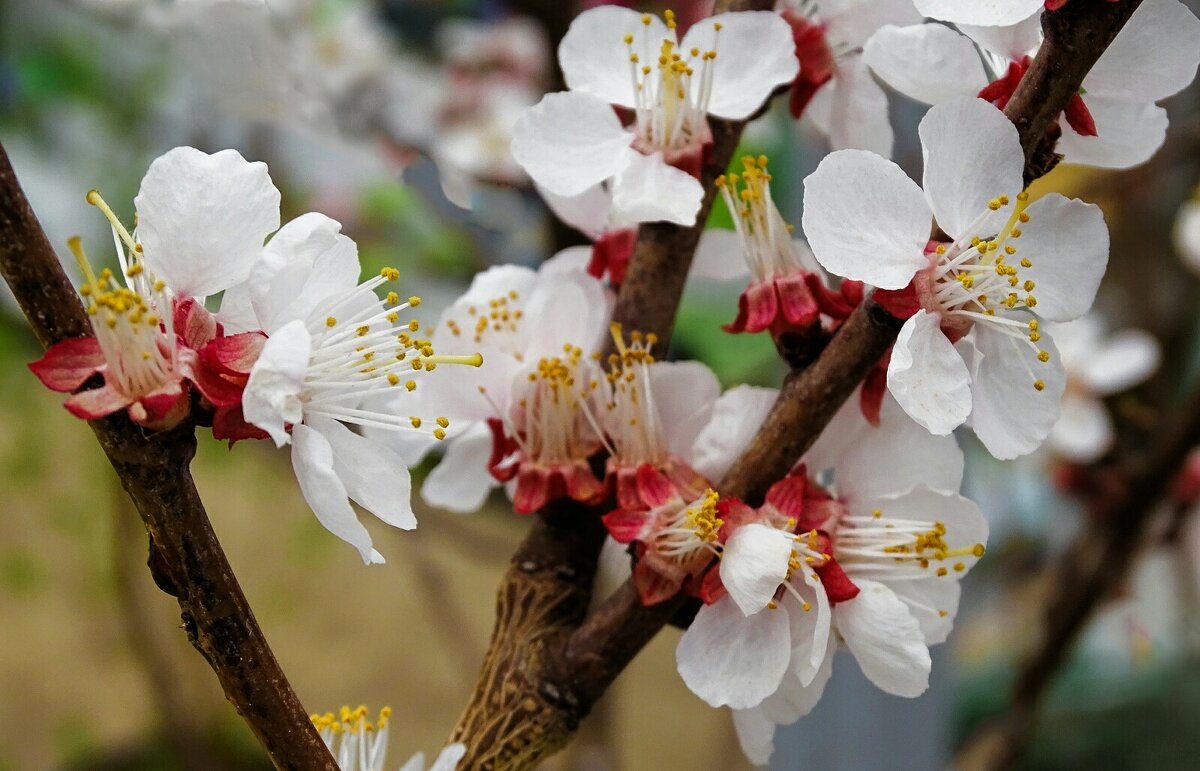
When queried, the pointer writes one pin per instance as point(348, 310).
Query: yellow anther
point(439, 434)
point(1043, 356)
point(416, 421)
point(391, 274)
point(393, 378)
point(1039, 385)
point(443, 422)
point(362, 331)
point(628, 39)
point(411, 385)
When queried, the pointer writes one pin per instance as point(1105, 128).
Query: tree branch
point(185, 557)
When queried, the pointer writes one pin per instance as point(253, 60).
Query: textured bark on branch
point(545, 656)
point(186, 559)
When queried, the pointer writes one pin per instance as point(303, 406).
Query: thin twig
point(185, 557)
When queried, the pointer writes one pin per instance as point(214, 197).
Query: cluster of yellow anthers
point(931, 544)
point(804, 554)
point(126, 319)
point(622, 365)
point(674, 109)
point(703, 518)
point(369, 343)
point(351, 720)
point(979, 280)
point(500, 316)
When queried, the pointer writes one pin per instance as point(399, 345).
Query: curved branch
point(185, 557)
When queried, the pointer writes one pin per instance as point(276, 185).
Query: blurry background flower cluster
point(393, 116)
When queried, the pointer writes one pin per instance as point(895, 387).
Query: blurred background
point(393, 117)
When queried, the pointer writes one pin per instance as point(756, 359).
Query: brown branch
point(540, 678)
point(185, 557)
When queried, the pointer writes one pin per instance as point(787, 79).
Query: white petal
point(852, 110)
point(729, 659)
point(595, 58)
point(896, 456)
point(683, 395)
point(755, 54)
point(1153, 56)
point(927, 376)
point(885, 639)
point(795, 699)
point(312, 460)
point(565, 307)
point(569, 142)
point(272, 395)
point(202, 219)
point(719, 256)
point(865, 219)
point(1124, 360)
point(1084, 430)
point(587, 212)
point(375, 476)
point(1127, 134)
point(573, 259)
point(647, 189)
point(237, 313)
point(927, 62)
point(754, 564)
point(933, 603)
point(307, 261)
point(972, 154)
point(989, 13)
point(756, 734)
point(736, 418)
point(1067, 242)
point(851, 23)
point(461, 482)
point(812, 635)
point(447, 759)
point(1011, 417)
point(1011, 41)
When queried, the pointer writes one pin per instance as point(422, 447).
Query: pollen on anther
point(330, 321)
point(1039, 385)
point(1043, 356)
point(439, 434)
point(411, 385)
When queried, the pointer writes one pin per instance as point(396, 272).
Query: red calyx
point(611, 253)
point(816, 60)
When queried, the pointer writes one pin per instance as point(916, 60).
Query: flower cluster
point(299, 351)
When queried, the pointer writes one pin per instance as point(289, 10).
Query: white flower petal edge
point(736, 417)
point(1124, 360)
point(971, 154)
point(712, 659)
point(461, 482)
point(1069, 259)
point(594, 56)
point(927, 62)
point(927, 377)
point(202, 218)
point(1011, 415)
point(569, 142)
point(647, 189)
point(852, 110)
point(865, 219)
point(375, 477)
point(885, 638)
point(755, 54)
point(312, 461)
point(1153, 57)
point(271, 400)
point(754, 564)
point(986, 13)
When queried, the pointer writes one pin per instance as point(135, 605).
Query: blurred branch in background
point(1082, 578)
point(185, 557)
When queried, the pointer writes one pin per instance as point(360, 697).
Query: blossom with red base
point(787, 291)
point(675, 536)
point(869, 557)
